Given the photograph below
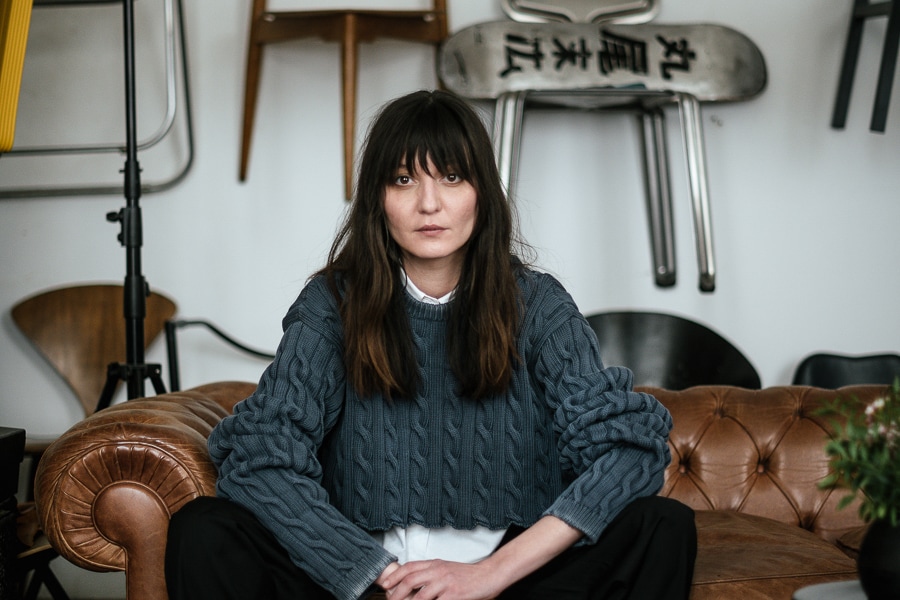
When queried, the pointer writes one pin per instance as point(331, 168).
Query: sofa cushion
point(850, 542)
point(748, 557)
point(759, 452)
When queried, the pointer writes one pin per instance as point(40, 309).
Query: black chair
point(25, 552)
point(12, 451)
point(862, 11)
point(671, 352)
point(173, 325)
point(832, 371)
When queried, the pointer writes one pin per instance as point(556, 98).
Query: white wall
point(804, 217)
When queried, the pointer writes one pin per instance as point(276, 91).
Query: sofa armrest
point(105, 490)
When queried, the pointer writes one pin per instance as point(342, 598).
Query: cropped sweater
point(322, 467)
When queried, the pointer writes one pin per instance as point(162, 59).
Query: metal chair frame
point(175, 39)
point(171, 328)
point(581, 11)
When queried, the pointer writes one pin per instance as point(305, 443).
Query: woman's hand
point(429, 579)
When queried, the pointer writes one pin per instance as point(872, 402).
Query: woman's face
point(431, 217)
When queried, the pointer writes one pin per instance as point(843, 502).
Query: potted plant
point(865, 459)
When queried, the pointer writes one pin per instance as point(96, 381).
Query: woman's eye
point(452, 178)
point(402, 180)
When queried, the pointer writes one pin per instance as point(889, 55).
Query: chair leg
point(848, 67)
point(691, 124)
point(44, 576)
point(251, 87)
point(53, 586)
point(509, 113)
point(887, 70)
point(659, 197)
point(349, 54)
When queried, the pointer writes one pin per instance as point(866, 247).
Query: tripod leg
point(154, 372)
point(113, 377)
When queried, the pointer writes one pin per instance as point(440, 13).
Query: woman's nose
point(429, 195)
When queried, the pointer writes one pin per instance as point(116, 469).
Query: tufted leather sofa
point(746, 460)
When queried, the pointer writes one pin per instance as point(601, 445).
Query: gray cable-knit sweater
point(321, 466)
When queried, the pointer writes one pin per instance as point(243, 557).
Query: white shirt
point(416, 542)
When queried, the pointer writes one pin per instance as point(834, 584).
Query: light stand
point(134, 371)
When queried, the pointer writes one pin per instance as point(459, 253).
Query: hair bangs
point(435, 135)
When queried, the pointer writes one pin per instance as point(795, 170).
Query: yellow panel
point(15, 17)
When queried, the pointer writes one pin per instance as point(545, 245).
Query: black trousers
point(218, 550)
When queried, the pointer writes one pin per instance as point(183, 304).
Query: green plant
point(865, 454)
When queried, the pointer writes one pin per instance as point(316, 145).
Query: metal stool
point(347, 26)
point(610, 65)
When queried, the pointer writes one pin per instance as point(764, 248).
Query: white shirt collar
point(421, 296)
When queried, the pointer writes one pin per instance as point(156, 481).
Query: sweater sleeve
point(612, 440)
point(266, 453)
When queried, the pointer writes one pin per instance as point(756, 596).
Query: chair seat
point(329, 25)
point(710, 62)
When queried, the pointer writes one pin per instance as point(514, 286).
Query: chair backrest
point(172, 327)
point(832, 371)
point(670, 352)
point(581, 11)
point(80, 330)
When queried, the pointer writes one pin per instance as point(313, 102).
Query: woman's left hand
point(527, 552)
point(429, 579)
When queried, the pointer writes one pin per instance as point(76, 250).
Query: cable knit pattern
point(321, 466)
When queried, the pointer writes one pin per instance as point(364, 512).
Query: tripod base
point(117, 372)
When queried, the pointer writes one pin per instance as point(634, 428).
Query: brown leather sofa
point(746, 460)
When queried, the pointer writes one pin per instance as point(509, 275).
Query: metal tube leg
point(691, 124)
point(507, 136)
point(848, 66)
point(886, 70)
point(659, 197)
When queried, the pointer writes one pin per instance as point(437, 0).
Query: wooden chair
point(80, 331)
point(347, 26)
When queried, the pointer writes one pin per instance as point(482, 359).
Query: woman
point(437, 422)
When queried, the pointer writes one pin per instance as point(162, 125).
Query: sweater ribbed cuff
point(360, 583)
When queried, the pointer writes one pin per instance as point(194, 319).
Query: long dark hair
point(365, 262)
